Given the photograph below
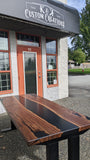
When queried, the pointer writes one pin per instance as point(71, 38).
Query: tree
point(70, 54)
point(87, 1)
point(79, 56)
point(83, 39)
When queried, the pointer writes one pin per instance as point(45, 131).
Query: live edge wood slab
point(41, 121)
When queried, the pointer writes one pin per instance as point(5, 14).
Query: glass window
point(52, 77)
point(5, 71)
point(5, 81)
point(30, 72)
point(50, 46)
point(51, 62)
point(3, 40)
point(27, 40)
point(4, 61)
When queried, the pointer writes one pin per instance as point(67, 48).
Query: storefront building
point(33, 47)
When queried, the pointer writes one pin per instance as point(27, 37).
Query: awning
point(42, 15)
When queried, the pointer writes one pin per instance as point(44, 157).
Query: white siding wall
point(63, 68)
point(62, 90)
point(48, 93)
point(63, 65)
point(13, 51)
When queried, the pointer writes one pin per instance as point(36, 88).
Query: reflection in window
point(52, 77)
point(50, 46)
point(27, 40)
point(5, 81)
point(4, 61)
point(51, 62)
point(30, 61)
point(3, 40)
point(30, 72)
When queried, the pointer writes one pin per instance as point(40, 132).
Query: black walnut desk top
point(40, 120)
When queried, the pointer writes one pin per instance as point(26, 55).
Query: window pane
point(30, 72)
point(5, 81)
point(27, 40)
point(51, 62)
point(50, 46)
point(3, 40)
point(52, 77)
point(4, 61)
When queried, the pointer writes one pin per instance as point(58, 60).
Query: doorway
point(29, 61)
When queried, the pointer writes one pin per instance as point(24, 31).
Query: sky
point(79, 5)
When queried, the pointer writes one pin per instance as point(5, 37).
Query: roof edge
point(64, 6)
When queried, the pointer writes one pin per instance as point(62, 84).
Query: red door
point(29, 61)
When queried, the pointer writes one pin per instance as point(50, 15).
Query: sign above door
point(50, 14)
point(44, 13)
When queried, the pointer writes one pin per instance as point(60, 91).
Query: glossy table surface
point(40, 120)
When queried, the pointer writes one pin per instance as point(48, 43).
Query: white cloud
point(78, 4)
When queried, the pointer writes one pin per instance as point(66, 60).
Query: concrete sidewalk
point(13, 146)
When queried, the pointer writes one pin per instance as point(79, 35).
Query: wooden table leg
point(52, 151)
point(73, 147)
point(12, 126)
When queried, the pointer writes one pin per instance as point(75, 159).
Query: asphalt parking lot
point(79, 86)
point(12, 145)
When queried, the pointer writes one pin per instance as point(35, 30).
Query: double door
point(29, 70)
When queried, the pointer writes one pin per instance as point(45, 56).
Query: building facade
point(33, 48)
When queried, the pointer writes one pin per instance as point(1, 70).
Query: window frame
point(7, 71)
point(29, 41)
point(49, 70)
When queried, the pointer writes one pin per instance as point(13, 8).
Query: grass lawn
point(79, 71)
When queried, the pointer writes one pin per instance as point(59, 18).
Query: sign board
point(50, 13)
point(44, 13)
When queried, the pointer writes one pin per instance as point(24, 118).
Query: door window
point(30, 72)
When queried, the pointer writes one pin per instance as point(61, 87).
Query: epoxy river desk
point(41, 121)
